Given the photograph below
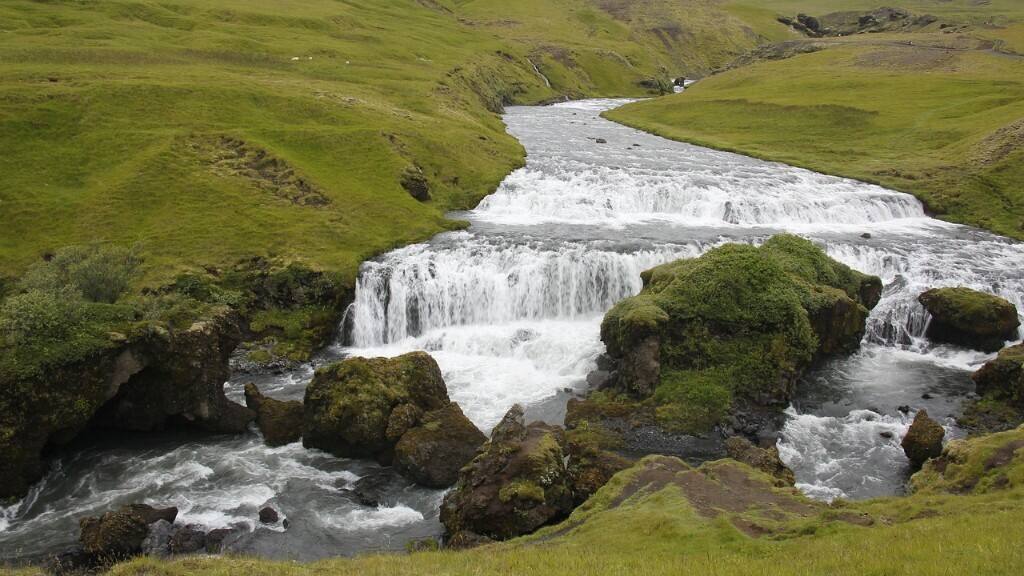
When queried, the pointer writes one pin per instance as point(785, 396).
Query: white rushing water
point(511, 310)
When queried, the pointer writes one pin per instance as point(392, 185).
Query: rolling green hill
point(938, 112)
point(207, 131)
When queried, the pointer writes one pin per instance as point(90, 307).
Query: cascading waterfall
point(511, 310)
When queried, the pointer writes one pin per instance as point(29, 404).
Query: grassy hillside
point(937, 114)
point(208, 131)
point(663, 517)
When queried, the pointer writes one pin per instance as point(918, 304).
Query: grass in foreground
point(942, 119)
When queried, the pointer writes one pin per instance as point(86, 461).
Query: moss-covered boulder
point(1002, 378)
point(517, 483)
point(975, 465)
point(361, 407)
point(279, 421)
point(120, 533)
point(432, 452)
point(734, 328)
point(970, 318)
point(923, 440)
point(766, 460)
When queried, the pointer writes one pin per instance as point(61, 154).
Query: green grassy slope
point(113, 115)
point(938, 115)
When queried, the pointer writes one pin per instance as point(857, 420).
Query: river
point(511, 309)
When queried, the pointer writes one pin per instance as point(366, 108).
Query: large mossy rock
point(433, 452)
point(734, 328)
point(1000, 385)
point(140, 381)
point(923, 440)
point(120, 533)
point(989, 463)
point(970, 318)
point(280, 421)
point(361, 407)
point(387, 407)
point(517, 483)
point(1002, 378)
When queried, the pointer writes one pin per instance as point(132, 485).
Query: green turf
point(111, 115)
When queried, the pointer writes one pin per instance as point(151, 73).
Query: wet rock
point(360, 407)
point(158, 541)
point(188, 539)
point(432, 453)
point(120, 534)
point(764, 459)
point(600, 141)
point(416, 184)
point(516, 484)
point(74, 561)
point(886, 434)
point(371, 490)
point(970, 318)
point(905, 409)
point(598, 379)
point(268, 515)
point(1002, 378)
point(216, 539)
point(923, 440)
point(279, 421)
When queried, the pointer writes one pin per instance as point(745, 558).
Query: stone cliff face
point(147, 380)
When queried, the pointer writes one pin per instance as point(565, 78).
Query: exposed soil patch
point(1004, 455)
point(1000, 144)
point(232, 157)
point(909, 58)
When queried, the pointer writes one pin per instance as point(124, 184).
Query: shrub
point(98, 273)
point(39, 314)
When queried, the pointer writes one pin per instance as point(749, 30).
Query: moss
point(977, 465)
point(971, 310)
point(739, 323)
point(523, 490)
point(691, 402)
point(349, 404)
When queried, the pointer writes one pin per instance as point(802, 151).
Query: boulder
point(923, 440)
point(517, 483)
point(188, 539)
point(370, 490)
point(590, 466)
point(416, 184)
point(361, 407)
point(215, 539)
point(158, 541)
point(764, 459)
point(120, 534)
point(1002, 379)
point(279, 421)
point(729, 333)
point(970, 318)
point(268, 515)
point(432, 453)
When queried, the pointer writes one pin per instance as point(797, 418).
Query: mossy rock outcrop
point(395, 410)
point(433, 452)
point(923, 440)
point(517, 483)
point(734, 329)
point(970, 318)
point(982, 464)
point(120, 533)
point(1000, 384)
point(143, 380)
point(279, 421)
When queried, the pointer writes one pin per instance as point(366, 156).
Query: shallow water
point(511, 310)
